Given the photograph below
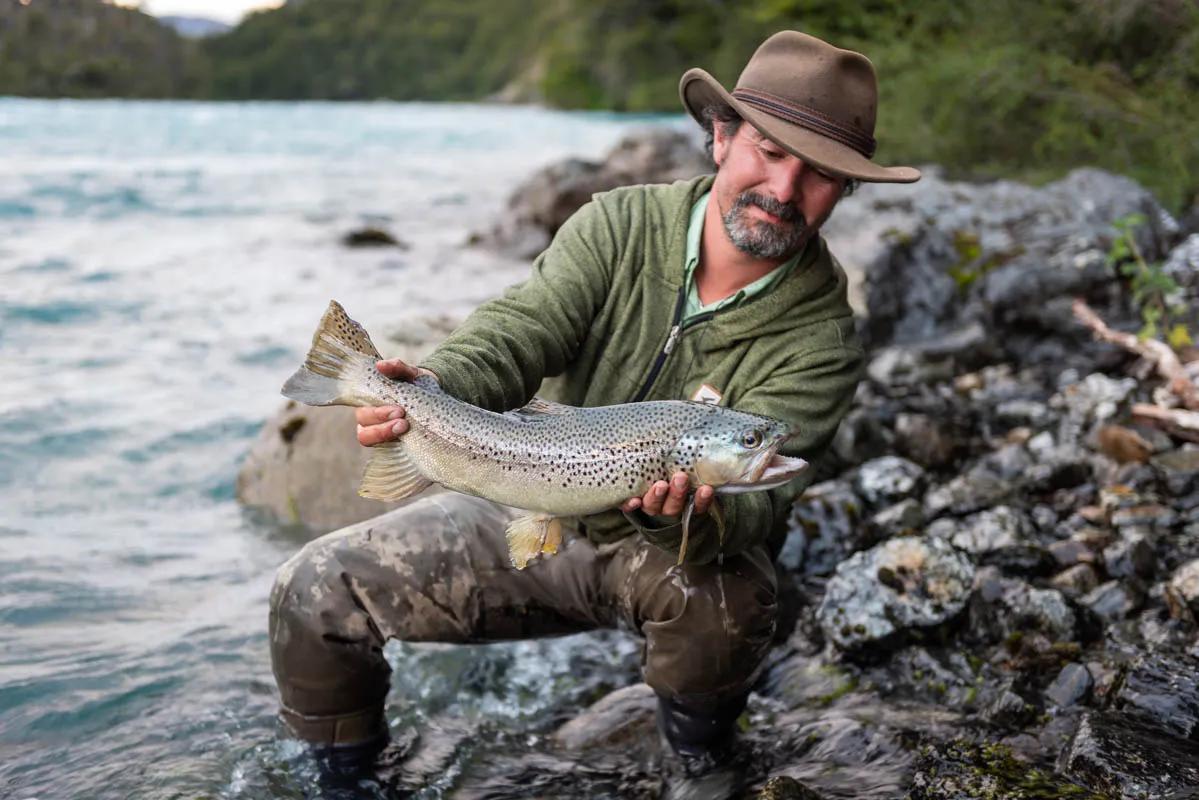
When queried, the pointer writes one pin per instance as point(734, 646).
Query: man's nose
point(785, 181)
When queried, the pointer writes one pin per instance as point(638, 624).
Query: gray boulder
point(902, 585)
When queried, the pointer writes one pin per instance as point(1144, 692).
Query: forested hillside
point(84, 48)
point(986, 88)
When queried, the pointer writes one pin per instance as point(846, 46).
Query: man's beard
point(762, 239)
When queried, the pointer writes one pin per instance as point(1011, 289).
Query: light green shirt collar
point(695, 231)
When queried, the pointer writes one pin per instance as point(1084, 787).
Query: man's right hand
point(378, 424)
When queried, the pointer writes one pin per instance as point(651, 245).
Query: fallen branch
point(1163, 357)
point(1183, 424)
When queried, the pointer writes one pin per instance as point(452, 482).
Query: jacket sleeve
point(497, 358)
point(815, 391)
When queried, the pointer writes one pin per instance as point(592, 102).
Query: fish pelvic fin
point(341, 357)
point(532, 536)
point(391, 474)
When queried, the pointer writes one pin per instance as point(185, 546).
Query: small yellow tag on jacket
point(707, 393)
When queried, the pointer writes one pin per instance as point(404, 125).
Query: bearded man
point(717, 289)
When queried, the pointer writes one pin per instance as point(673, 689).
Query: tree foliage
point(986, 88)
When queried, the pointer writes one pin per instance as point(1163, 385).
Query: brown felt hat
point(816, 101)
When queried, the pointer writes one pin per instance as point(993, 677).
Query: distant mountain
point(195, 27)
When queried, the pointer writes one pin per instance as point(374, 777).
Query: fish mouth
point(771, 472)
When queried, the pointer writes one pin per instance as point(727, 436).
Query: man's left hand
point(666, 499)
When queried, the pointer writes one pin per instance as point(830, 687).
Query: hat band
point(808, 118)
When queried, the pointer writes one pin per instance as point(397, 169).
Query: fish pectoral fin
point(391, 475)
point(688, 510)
point(718, 515)
point(531, 536)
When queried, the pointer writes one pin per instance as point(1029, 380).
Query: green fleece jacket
point(597, 321)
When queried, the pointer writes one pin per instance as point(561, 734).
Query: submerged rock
point(963, 770)
point(1113, 754)
point(899, 587)
point(625, 716)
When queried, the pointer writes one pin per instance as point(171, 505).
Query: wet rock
point(1179, 468)
point(1111, 753)
point(823, 529)
point(898, 587)
point(784, 787)
point(1185, 581)
point(1009, 710)
point(306, 464)
point(538, 207)
point(1002, 607)
point(371, 236)
point(934, 675)
point(1113, 600)
point(625, 716)
point(1069, 552)
point(976, 490)
point(860, 437)
point(1070, 686)
point(1076, 581)
point(1153, 514)
point(1163, 692)
point(888, 480)
point(1132, 555)
point(897, 367)
point(808, 681)
point(990, 530)
point(924, 440)
point(967, 770)
point(902, 519)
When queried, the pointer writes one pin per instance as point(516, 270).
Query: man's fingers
point(651, 503)
point(374, 415)
point(396, 368)
point(676, 496)
point(631, 505)
point(703, 499)
point(369, 435)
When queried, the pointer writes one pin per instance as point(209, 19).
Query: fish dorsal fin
point(337, 323)
point(540, 407)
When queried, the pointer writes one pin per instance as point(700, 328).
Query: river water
point(161, 268)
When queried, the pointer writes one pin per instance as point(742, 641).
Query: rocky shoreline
point(993, 589)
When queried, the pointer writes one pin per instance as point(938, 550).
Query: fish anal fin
point(531, 536)
point(391, 475)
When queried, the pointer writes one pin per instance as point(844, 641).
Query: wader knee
point(326, 652)
point(713, 630)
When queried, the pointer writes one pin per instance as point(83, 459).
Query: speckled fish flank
point(551, 459)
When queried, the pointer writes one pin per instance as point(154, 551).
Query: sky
point(225, 10)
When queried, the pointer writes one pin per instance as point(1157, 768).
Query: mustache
point(784, 211)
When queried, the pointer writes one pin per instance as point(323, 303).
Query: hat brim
point(698, 89)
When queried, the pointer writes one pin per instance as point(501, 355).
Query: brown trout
point(550, 459)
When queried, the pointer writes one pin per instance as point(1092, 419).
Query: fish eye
point(751, 438)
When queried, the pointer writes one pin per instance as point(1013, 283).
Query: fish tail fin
point(531, 536)
point(341, 356)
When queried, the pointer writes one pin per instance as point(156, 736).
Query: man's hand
point(378, 424)
point(667, 499)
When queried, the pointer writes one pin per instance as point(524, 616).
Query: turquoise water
point(161, 267)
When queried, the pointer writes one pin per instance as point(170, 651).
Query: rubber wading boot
point(702, 743)
point(344, 765)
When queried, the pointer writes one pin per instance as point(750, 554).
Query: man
point(716, 289)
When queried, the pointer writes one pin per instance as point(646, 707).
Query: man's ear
point(720, 143)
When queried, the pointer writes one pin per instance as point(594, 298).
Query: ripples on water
point(161, 266)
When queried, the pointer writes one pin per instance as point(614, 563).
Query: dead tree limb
point(1181, 423)
point(1163, 357)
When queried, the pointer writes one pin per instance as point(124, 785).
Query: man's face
point(771, 202)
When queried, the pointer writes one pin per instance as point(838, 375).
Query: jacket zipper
point(677, 327)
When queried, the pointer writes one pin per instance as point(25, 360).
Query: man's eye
point(773, 155)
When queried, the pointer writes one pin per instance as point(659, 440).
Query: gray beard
point(762, 239)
